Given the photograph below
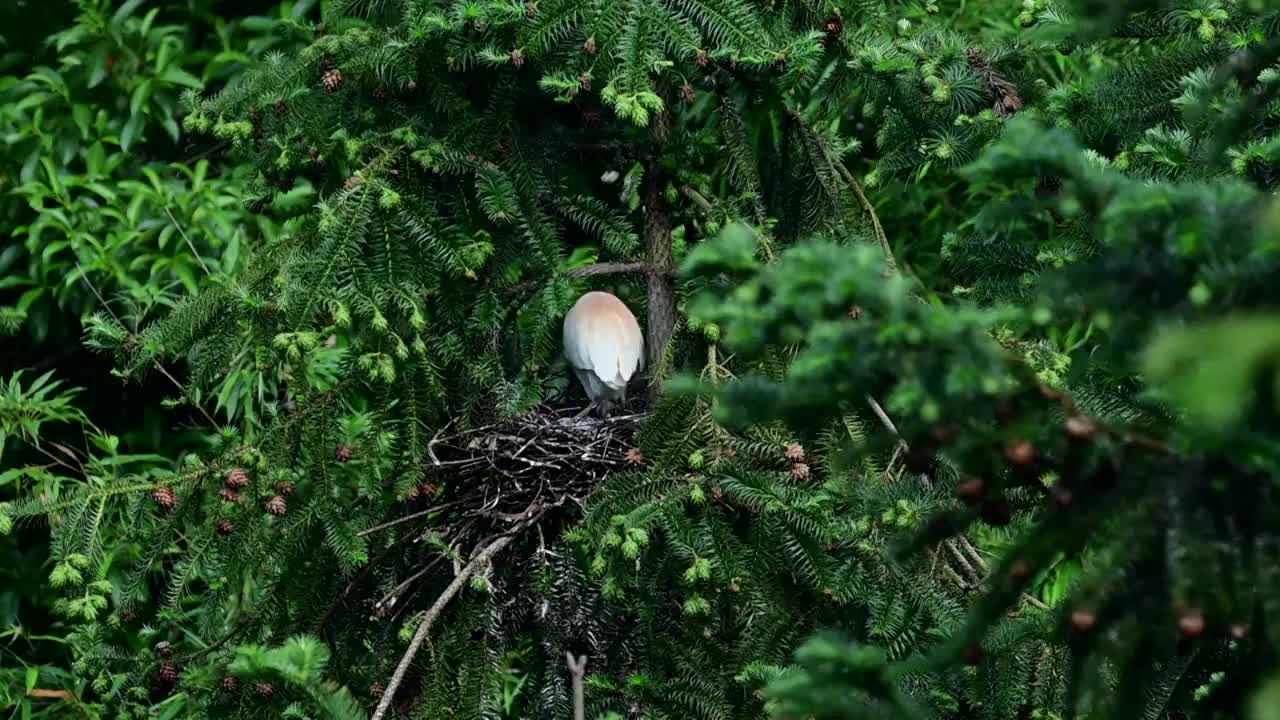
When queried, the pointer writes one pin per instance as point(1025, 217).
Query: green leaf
point(130, 132)
point(175, 75)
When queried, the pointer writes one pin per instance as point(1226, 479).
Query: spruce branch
point(853, 183)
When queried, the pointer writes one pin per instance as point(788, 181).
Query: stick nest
point(541, 460)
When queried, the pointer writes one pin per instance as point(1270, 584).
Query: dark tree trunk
point(657, 239)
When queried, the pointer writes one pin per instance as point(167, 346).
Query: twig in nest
point(429, 619)
point(577, 669)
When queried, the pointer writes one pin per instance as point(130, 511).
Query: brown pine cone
point(1191, 624)
point(635, 457)
point(275, 505)
point(342, 452)
point(231, 683)
point(530, 10)
point(168, 673)
point(686, 93)
point(799, 471)
point(265, 689)
point(236, 479)
point(589, 47)
point(701, 58)
point(164, 497)
point(332, 80)
point(281, 106)
point(1020, 452)
point(970, 491)
point(794, 452)
point(229, 495)
point(225, 527)
point(285, 488)
point(376, 691)
point(1083, 620)
point(164, 648)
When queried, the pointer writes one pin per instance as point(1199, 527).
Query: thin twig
point(107, 306)
point(429, 619)
point(190, 244)
point(407, 518)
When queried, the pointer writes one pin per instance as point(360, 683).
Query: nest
point(490, 483)
point(510, 470)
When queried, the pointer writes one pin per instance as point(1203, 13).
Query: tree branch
point(429, 619)
point(577, 669)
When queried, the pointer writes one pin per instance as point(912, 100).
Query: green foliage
point(959, 482)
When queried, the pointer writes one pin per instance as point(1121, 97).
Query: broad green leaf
point(130, 131)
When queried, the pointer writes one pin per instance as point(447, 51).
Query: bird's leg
point(590, 406)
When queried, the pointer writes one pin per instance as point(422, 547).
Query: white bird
point(604, 346)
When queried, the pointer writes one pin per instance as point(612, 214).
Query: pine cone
point(229, 495)
point(275, 505)
point(343, 452)
point(530, 10)
point(701, 58)
point(799, 471)
point(265, 689)
point(285, 488)
point(281, 107)
point(855, 312)
point(795, 453)
point(225, 527)
point(1062, 497)
point(237, 479)
point(164, 497)
point(1020, 452)
point(231, 683)
point(376, 691)
point(1191, 624)
point(686, 92)
point(332, 80)
point(517, 57)
point(168, 673)
point(379, 93)
point(589, 47)
point(411, 85)
point(164, 648)
point(584, 82)
point(970, 491)
point(635, 457)
point(1083, 620)
point(833, 26)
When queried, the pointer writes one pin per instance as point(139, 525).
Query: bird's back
point(602, 335)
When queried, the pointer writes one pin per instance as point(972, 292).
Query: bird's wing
point(614, 347)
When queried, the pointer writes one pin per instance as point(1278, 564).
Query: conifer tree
point(479, 164)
